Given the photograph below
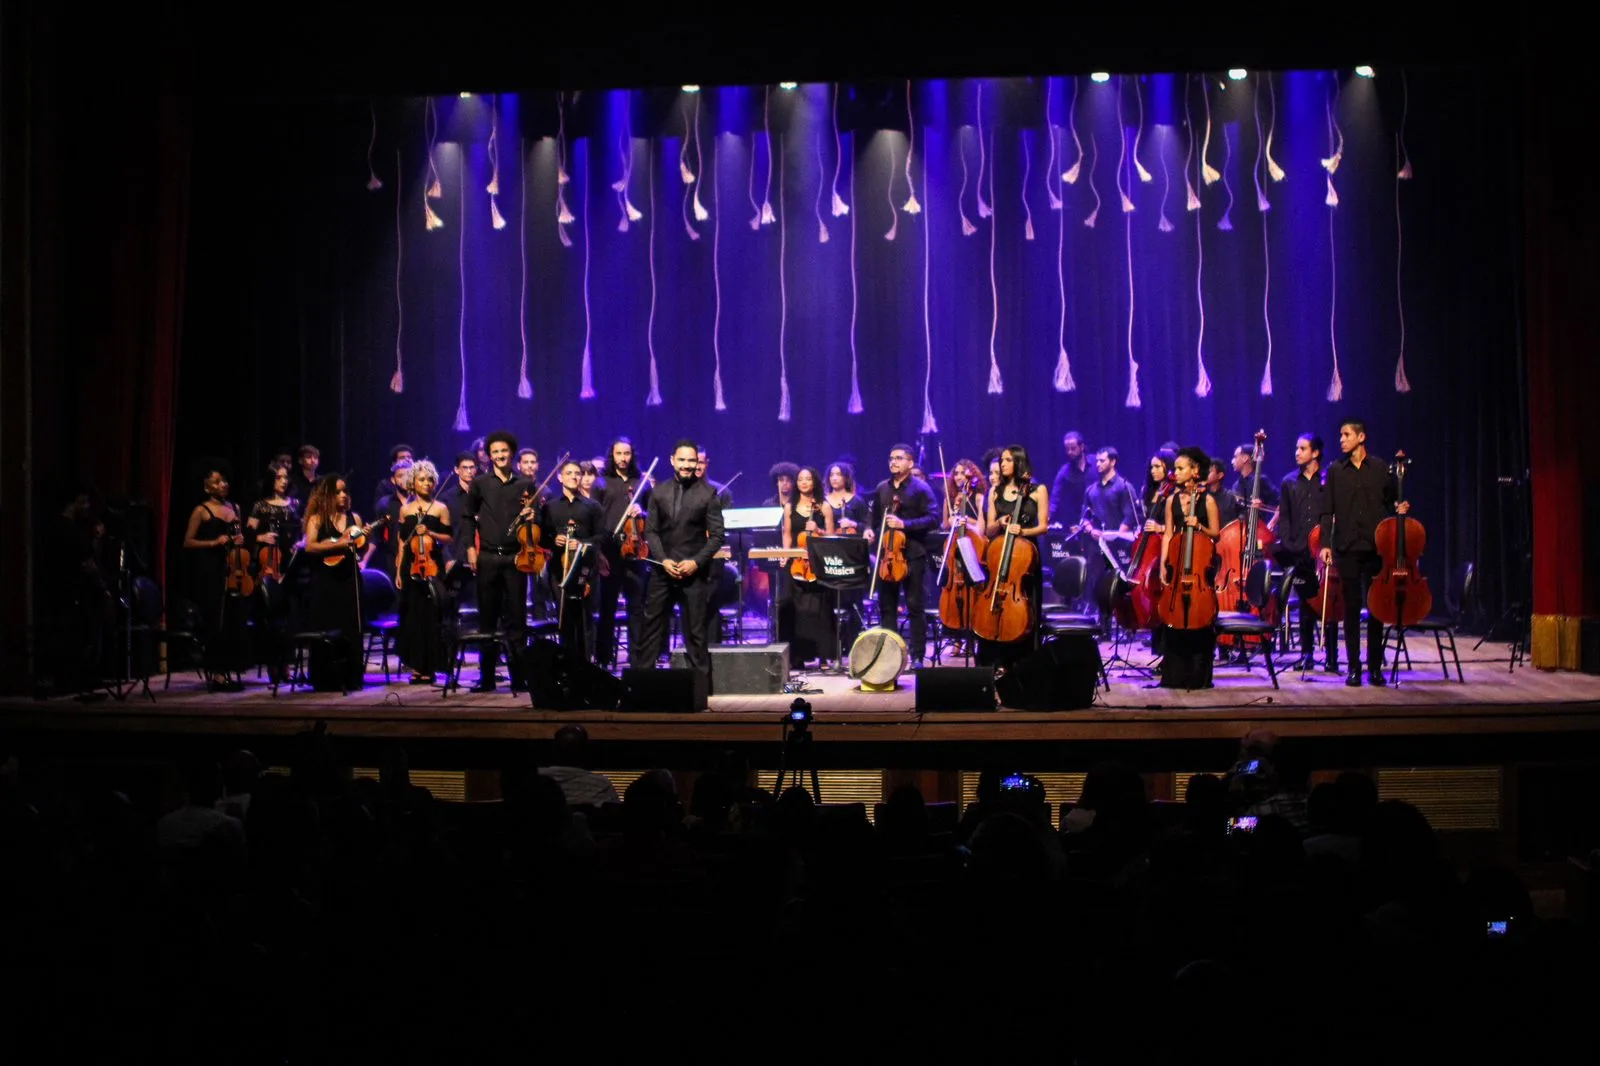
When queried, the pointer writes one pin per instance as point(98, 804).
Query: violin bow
point(643, 481)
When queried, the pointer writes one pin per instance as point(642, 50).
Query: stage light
point(691, 88)
point(1366, 72)
point(1099, 77)
point(1238, 74)
point(466, 96)
point(788, 85)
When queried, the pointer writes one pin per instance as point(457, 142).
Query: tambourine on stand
point(876, 659)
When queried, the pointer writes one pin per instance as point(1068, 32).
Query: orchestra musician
point(683, 527)
point(307, 459)
point(1300, 496)
point(421, 643)
point(1066, 494)
point(496, 505)
point(1156, 478)
point(808, 621)
point(400, 453)
point(1033, 519)
point(619, 577)
point(917, 513)
point(275, 518)
point(723, 591)
point(1110, 514)
point(1187, 653)
point(383, 547)
point(965, 480)
point(572, 524)
point(335, 589)
point(213, 529)
point(1359, 493)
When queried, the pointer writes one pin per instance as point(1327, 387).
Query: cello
point(957, 598)
point(1006, 613)
point(1134, 601)
point(1399, 595)
point(1329, 600)
point(1242, 546)
point(1189, 601)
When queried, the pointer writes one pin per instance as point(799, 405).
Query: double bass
point(1189, 601)
point(1243, 547)
point(958, 598)
point(1005, 612)
point(1399, 595)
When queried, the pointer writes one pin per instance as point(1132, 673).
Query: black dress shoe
point(1354, 680)
point(1299, 666)
point(483, 686)
point(1332, 666)
point(1375, 677)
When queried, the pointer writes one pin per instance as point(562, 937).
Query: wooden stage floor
point(1497, 713)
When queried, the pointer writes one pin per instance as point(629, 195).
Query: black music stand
point(842, 563)
point(740, 523)
point(964, 555)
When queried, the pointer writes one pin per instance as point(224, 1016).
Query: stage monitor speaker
point(556, 682)
point(1589, 645)
point(955, 688)
point(1060, 676)
point(663, 691)
point(744, 670)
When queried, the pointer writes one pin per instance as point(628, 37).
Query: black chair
point(1459, 595)
point(1242, 624)
point(186, 627)
point(380, 620)
point(292, 646)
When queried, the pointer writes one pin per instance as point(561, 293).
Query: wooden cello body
point(1005, 610)
point(958, 599)
point(1134, 603)
point(1399, 595)
point(1189, 601)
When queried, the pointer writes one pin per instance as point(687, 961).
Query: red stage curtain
point(1563, 337)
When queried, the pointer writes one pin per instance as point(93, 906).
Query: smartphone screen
point(1245, 824)
point(1251, 767)
point(1498, 928)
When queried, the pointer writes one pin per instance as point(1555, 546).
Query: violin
point(269, 557)
point(359, 537)
point(1399, 595)
point(1134, 601)
point(801, 567)
point(892, 548)
point(1189, 601)
point(530, 556)
point(423, 563)
point(959, 595)
point(631, 529)
point(1006, 613)
point(1329, 600)
point(239, 579)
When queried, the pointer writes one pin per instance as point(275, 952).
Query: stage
point(1497, 715)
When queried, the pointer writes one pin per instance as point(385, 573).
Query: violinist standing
point(571, 523)
point(918, 513)
point(1032, 519)
point(213, 532)
point(1301, 494)
point(1187, 653)
point(275, 518)
point(423, 598)
point(808, 624)
point(618, 576)
point(332, 531)
point(1360, 493)
point(492, 513)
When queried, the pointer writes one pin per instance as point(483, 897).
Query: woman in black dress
point(275, 518)
point(422, 598)
point(1187, 653)
point(1032, 519)
point(333, 536)
point(214, 529)
point(852, 516)
point(811, 605)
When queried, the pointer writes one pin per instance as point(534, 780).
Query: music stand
point(842, 562)
point(965, 556)
point(743, 522)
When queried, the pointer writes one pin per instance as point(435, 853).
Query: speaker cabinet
point(738, 670)
point(663, 691)
point(1060, 676)
point(557, 682)
point(1589, 645)
point(955, 688)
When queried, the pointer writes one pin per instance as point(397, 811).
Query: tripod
point(1518, 612)
point(796, 753)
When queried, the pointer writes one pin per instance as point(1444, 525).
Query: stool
point(489, 645)
point(299, 644)
point(1242, 624)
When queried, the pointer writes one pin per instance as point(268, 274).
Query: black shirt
point(1355, 500)
point(1241, 490)
point(491, 505)
point(300, 488)
point(917, 510)
point(1300, 510)
point(1111, 505)
point(615, 493)
point(1227, 505)
point(683, 521)
point(1066, 495)
point(587, 522)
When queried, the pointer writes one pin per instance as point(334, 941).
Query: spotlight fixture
point(1366, 72)
point(691, 88)
point(1099, 77)
point(1238, 74)
point(466, 96)
point(788, 85)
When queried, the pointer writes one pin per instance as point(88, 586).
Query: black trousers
point(503, 601)
point(627, 578)
point(889, 604)
point(1356, 570)
point(574, 609)
point(694, 595)
point(1300, 573)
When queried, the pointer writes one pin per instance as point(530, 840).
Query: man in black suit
point(683, 527)
point(904, 502)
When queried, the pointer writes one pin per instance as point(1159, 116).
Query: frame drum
point(876, 659)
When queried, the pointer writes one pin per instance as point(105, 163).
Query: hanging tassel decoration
point(1165, 225)
point(718, 403)
point(1273, 168)
point(910, 207)
point(524, 386)
point(1070, 175)
point(1208, 173)
point(839, 207)
point(967, 228)
point(462, 423)
point(816, 205)
point(996, 386)
point(1144, 175)
point(397, 383)
point(984, 211)
point(1051, 174)
point(1027, 172)
point(783, 292)
point(700, 212)
point(1225, 223)
point(894, 225)
point(854, 405)
point(767, 217)
point(1061, 380)
point(654, 397)
point(1094, 160)
point(373, 184)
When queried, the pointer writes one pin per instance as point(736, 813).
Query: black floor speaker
point(1589, 645)
point(1060, 676)
point(558, 682)
point(955, 688)
point(744, 669)
point(658, 691)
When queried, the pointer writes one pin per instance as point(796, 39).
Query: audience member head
point(571, 747)
point(650, 805)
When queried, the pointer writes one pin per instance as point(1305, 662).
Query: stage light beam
point(1099, 77)
point(1366, 72)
